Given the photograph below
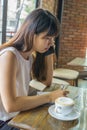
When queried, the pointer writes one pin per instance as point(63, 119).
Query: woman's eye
point(48, 38)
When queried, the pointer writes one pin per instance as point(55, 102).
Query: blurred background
point(12, 14)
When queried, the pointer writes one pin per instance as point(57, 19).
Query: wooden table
point(39, 118)
point(78, 62)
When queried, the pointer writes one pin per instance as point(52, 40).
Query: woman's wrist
point(49, 98)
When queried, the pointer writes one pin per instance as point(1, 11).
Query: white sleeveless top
point(22, 80)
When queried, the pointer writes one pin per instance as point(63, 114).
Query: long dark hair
point(39, 68)
point(39, 20)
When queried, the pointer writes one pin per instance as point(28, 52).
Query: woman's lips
point(46, 49)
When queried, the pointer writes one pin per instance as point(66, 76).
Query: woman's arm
point(8, 94)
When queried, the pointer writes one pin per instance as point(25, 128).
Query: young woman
point(36, 34)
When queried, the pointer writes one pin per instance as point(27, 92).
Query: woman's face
point(42, 42)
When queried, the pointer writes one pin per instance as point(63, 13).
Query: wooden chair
point(59, 81)
point(67, 74)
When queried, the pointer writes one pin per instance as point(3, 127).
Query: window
point(17, 10)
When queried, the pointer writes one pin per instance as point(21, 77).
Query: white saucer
point(72, 116)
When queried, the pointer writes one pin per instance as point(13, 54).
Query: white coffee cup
point(64, 105)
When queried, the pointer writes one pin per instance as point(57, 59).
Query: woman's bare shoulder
point(8, 55)
point(8, 59)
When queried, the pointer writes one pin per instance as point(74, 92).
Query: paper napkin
point(37, 85)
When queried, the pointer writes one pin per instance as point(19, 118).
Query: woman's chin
point(42, 51)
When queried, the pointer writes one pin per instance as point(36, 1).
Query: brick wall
point(73, 39)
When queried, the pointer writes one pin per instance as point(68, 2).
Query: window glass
point(16, 12)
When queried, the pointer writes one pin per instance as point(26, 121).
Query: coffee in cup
point(64, 105)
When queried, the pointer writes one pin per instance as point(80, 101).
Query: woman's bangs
point(52, 30)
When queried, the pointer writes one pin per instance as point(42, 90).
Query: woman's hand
point(58, 93)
